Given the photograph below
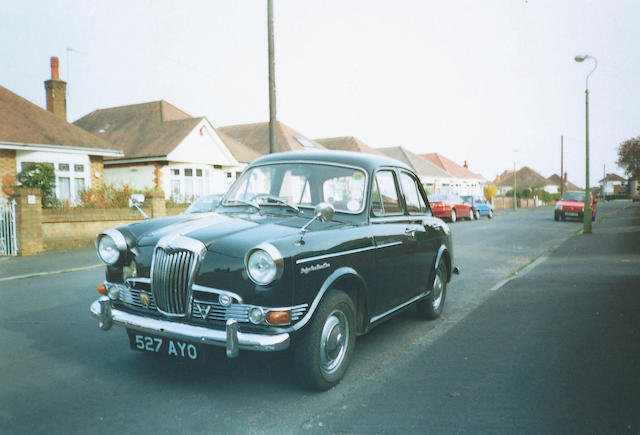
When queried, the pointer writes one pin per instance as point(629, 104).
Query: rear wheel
point(453, 215)
point(471, 215)
point(323, 355)
point(477, 215)
point(490, 214)
point(431, 306)
point(556, 217)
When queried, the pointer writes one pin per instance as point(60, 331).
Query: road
point(60, 374)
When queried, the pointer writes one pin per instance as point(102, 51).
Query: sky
point(489, 82)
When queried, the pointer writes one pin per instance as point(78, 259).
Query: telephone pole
point(272, 80)
point(561, 166)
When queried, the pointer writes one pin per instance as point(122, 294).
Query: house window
point(25, 165)
point(64, 183)
point(188, 172)
point(175, 172)
point(78, 168)
point(198, 172)
point(229, 175)
point(175, 187)
point(79, 186)
point(63, 167)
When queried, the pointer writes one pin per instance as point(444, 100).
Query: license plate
point(571, 213)
point(164, 346)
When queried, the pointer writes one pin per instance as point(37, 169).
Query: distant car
point(204, 204)
point(480, 206)
point(572, 206)
point(635, 198)
point(450, 206)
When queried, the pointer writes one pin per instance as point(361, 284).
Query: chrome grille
point(212, 311)
point(171, 276)
point(130, 295)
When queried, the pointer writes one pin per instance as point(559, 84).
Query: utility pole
point(272, 80)
point(561, 166)
point(515, 187)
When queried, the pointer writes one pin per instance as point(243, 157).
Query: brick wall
point(7, 172)
point(97, 168)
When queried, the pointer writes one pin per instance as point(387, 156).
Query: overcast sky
point(472, 80)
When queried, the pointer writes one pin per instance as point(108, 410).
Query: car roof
point(366, 161)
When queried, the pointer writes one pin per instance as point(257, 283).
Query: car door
point(394, 277)
point(426, 239)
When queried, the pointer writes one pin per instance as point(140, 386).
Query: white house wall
point(73, 170)
point(203, 145)
point(139, 177)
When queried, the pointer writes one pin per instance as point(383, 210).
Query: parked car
point(329, 245)
point(450, 206)
point(480, 206)
point(204, 204)
point(571, 205)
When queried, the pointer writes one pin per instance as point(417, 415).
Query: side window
point(415, 202)
point(384, 196)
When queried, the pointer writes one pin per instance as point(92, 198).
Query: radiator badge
point(204, 312)
point(314, 268)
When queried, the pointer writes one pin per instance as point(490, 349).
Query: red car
point(449, 206)
point(572, 206)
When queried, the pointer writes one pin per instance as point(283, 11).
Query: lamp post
point(587, 196)
point(515, 186)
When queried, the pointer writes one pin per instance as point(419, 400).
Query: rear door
point(426, 233)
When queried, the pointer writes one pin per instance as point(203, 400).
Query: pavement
point(48, 262)
point(556, 350)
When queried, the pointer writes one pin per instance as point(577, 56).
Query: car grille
point(171, 276)
point(202, 310)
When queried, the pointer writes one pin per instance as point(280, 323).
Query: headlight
point(558, 207)
point(110, 245)
point(264, 264)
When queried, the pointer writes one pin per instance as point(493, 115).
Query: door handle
point(411, 232)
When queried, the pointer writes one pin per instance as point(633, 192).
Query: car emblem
point(204, 312)
point(225, 300)
point(145, 299)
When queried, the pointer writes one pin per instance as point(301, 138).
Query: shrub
point(106, 196)
point(40, 176)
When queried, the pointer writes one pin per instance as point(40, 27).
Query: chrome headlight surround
point(111, 246)
point(264, 264)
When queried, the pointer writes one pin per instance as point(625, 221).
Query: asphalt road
point(60, 374)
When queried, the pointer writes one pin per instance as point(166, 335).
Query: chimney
point(56, 90)
point(465, 165)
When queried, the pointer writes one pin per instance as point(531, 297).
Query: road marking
point(53, 272)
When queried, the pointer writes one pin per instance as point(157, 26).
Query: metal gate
point(8, 234)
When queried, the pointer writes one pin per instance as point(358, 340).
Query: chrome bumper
point(231, 337)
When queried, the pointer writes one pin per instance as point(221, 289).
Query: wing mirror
point(323, 212)
point(135, 202)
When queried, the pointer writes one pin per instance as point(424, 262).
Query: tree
point(490, 191)
point(40, 176)
point(629, 157)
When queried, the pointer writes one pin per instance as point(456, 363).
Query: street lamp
point(587, 196)
point(515, 186)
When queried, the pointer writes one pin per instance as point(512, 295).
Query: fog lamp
point(114, 293)
point(256, 315)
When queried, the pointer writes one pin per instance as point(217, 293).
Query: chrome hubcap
point(437, 292)
point(334, 341)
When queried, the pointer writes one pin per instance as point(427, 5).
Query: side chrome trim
point(399, 307)
point(351, 251)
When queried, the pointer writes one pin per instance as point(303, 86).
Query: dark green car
point(306, 250)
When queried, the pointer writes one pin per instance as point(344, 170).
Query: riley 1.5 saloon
point(306, 250)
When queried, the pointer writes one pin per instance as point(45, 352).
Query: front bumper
point(231, 337)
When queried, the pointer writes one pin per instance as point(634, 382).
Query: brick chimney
point(56, 92)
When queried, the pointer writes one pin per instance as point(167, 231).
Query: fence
point(8, 234)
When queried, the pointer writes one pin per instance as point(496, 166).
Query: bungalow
point(612, 184)
point(347, 143)
point(256, 137)
point(167, 149)
point(466, 182)
point(433, 178)
point(31, 134)
point(526, 178)
point(555, 183)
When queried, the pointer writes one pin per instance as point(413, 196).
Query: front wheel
point(477, 215)
point(323, 355)
point(490, 216)
point(453, 215)
point(432, 305)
